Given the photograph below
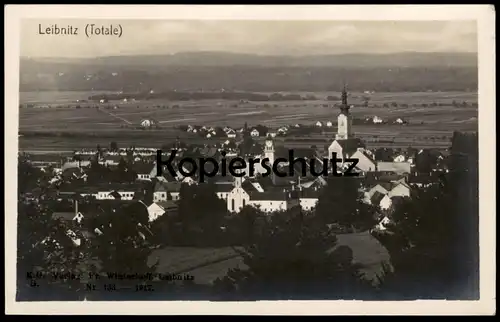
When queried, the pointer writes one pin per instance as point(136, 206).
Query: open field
point(207, 264)
point(429, 125)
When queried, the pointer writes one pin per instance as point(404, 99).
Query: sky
point(158, 37)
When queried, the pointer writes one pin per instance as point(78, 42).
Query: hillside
point(214, 71)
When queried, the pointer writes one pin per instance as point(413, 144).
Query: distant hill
point(215, 70)
point(406, 59)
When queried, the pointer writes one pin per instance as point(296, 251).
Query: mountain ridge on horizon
point(221, 58)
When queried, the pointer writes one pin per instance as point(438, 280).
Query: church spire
point(344, 95)
point(344, 107)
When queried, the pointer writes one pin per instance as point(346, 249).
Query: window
point(243, 202)
point(232, 205)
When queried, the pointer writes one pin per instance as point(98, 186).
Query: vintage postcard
point(250, 160)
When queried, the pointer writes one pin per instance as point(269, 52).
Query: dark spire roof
point(344, 107)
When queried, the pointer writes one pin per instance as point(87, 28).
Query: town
point(109, 209)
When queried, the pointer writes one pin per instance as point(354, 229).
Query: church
point(346, 145)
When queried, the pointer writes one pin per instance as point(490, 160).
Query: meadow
point(208, 264)
point(432, 118)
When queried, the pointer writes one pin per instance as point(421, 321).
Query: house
point(378, 199)
point(147, 123)
point(159, 208)
point(400, 158)
point(111, 160)
point(282, 130)
point(385, 203)
point(365, 162)
point(329, 124)
point(345, 148)
point(231, 133)
point(377, 120)
point(395, 167)
point(143, 170)
point(254, 133)
point(382, 225)
point(222, 190)
point(160, 192)
point(382, 187)
point(319, 124)
point(308, 198)
point(173, 189)
point(75, 164)
point(271, 134)
point(400, 189)
point(267, 201)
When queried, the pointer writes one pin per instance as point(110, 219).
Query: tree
point(123, 245)
point(28, 176)
point(340, 203)
point(434, 240)
point(113, 146)
point(425, 161)
point(201, 212)
point(293, 258)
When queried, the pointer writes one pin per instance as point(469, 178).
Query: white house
point(400, 158)
point(385, 203)
point(160, 192)
point(395, 167)
point(329, 124)
point(399, 190)
point(308, 204)
point(147, 123)
point(282, 130)
point(266, 201)
point(254, 133)
point(158, 209)
point(377, 120)
point(383, 223)
point(231, 133)
point(365, 163)
point(319, 124)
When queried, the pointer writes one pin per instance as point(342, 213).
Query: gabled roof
point(142, 167)
point(167, 205)
point(160, 187)
point(115, 195)
point(173, 186)
point(396, 167)
point(67, 216)
point(396, 201)
point(350, 146)
point(377, 197)
point(268, 196)
point(224, 187)
point(309, 193)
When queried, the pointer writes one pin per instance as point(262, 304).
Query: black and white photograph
point(249, 157)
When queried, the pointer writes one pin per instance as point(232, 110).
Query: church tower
point(269, 150)
point(238, 181)
point(344, 120)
